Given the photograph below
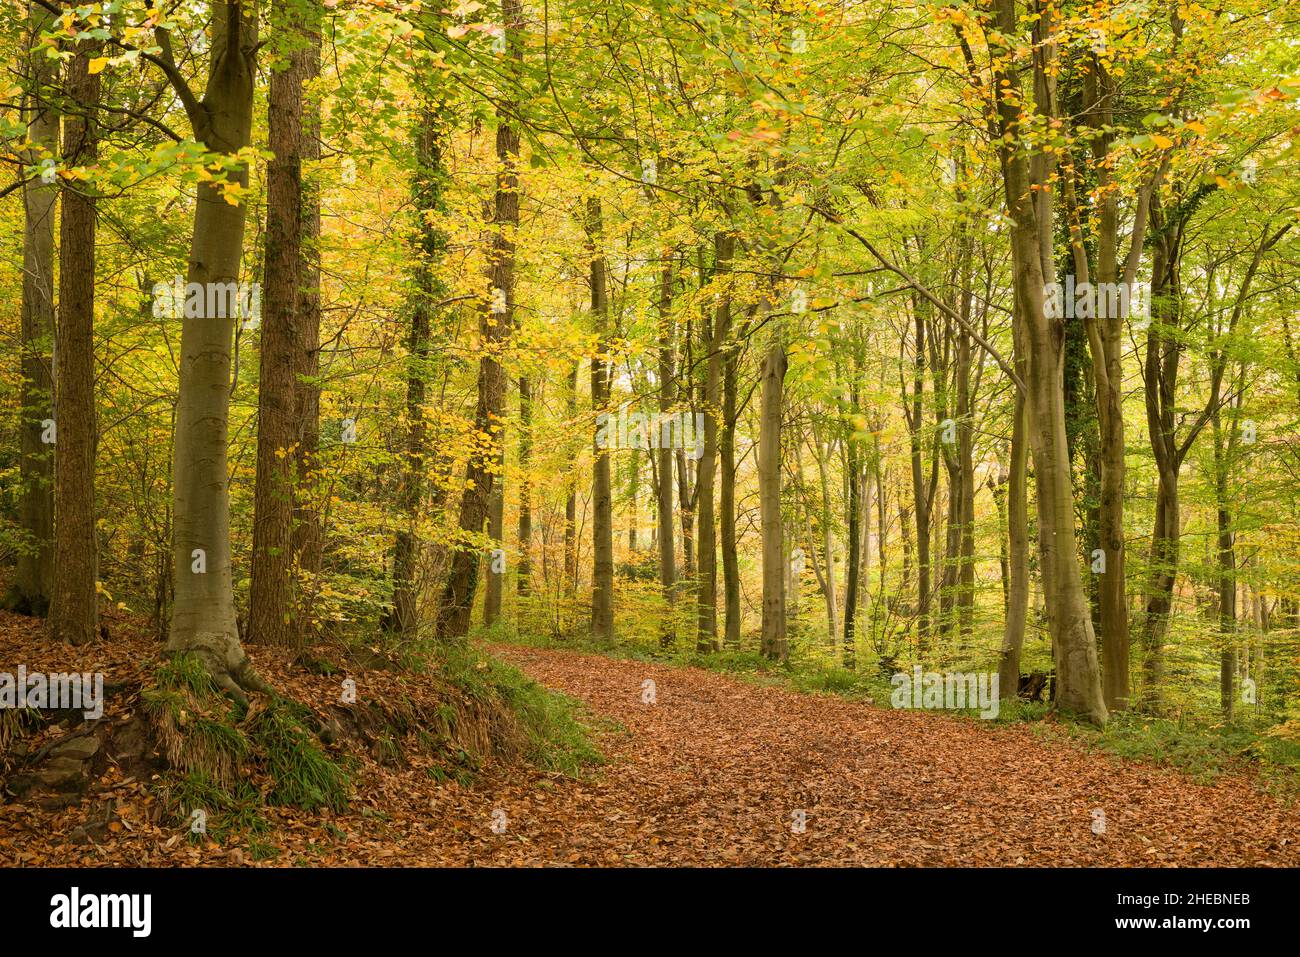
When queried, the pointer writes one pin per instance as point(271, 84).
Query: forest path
point(714, 770)
point(711, 773)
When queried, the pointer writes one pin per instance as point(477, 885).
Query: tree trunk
point(882, 526)
point(33, 583)
point(602, 520)
point(74, 613)
point(727, 503)
point(664, 454)
point(855, 485)
point(686, 495)
point(431, 243)
point(308, 535)
point(966, 482)
point(571, 494)
point(773, 643)
point(1227, 571)
point(496, 540)
point(829, 593)
point(921, 494)
point(1160, 368)
point(271, 602)
point(1104, 334)
point(496, 323)
point(1017, 574)
point(203, 613)
point(633, 519)
point(523, 583)
point(903, 606)
point(715, 345)
point(948, 580)
point(1078, 687)
point(1113, 597)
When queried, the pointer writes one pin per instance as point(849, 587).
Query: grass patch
point(196, 725)
point(556, 730)
point(303, 775)
point(491, 709)
point(225, 811)
point(216, 752)
point(1203, 751)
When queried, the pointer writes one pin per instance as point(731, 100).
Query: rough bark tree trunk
point(33, 583)
point(271, 617)
point(74, 612)
point(602, 524)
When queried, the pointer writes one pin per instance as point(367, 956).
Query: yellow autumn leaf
point(1163, 142)
point(97, 64)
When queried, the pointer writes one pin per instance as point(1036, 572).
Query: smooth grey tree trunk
point(727, 503)
point(203, 619)
point(571, 493)
point(1073, 642)
point(1017, 551)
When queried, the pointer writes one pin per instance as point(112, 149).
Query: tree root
point(224, 659)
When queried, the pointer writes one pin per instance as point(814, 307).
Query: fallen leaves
point(711, 774)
